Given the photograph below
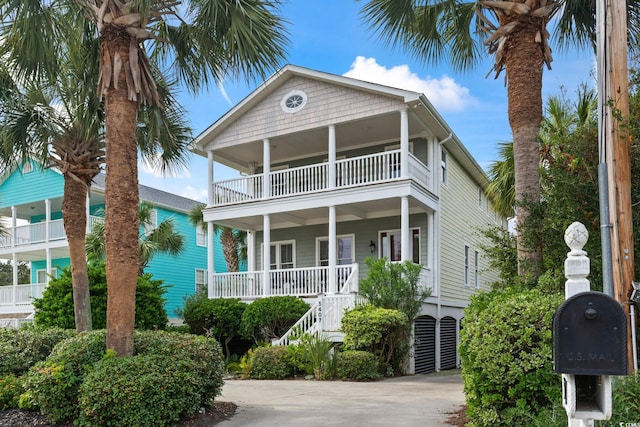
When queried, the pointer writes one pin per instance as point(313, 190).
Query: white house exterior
point(333, 170)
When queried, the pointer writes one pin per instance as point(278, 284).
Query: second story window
point(201, 236)
point(444, 159)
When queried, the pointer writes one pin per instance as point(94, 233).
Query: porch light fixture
point(372, 246)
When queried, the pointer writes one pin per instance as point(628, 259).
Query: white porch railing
point(21, 294)
point(354, 171)
point(309, 281)
point(35, 233)
point(325, 315)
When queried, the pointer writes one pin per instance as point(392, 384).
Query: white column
point(251, 250)
point(47, 227)
point(211, 269)
point(210, 195)
point(266, 255)
point(266, 168)
point(404, 229)
point(14, 259)
point(14, 216)
point(332, 250)
point(332, 156)
point(404, 143)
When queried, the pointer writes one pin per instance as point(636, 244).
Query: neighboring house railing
point(21, 294)
point(31, 234)
point(307, 281)
point(350, 172)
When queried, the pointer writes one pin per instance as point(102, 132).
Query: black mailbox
point(590, 336)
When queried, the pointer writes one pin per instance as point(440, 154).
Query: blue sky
point(330, 36)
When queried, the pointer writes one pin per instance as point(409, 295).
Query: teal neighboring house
point(30, 203)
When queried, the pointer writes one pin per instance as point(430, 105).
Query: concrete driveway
point(417, 400)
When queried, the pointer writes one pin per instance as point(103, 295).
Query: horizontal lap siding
point(178, 272)
point(460, 219)
point(36, 186)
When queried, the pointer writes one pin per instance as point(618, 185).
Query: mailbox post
point(589, 339)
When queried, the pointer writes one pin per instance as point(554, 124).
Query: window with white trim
point(466, 265)
point(390, 245)
point(201, 236)
point(41, 275)
point(444, 159)
point(345, 249)
point(283, 255)
point(202, 280)
point(476, 272)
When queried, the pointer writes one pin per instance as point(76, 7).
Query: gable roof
point(422, 114)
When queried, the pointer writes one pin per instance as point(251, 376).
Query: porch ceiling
point(310, 142)
point(286, 214)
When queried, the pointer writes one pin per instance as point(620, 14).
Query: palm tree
point(233, 241)
point(515, 33)
point(198, 40)
point(154, 238)
point(62, 125)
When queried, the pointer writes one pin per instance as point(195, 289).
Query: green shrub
point(380, 331)
point(10, 390)
point(269, 318)
point(218, 317)
point(626, 405)
point(298, 358)
point(506, 353)
point(22, 348)
point(270, 363)
point(55, 383)
point(143, 390)
point(55, 308)
point(357, 365)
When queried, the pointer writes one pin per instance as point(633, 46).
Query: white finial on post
point(577, 265)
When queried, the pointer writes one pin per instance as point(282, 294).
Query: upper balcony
point(24, 236)
point(350, 172)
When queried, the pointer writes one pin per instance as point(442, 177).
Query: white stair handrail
point(308, 323)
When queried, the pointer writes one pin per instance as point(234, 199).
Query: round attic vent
point(293, 101)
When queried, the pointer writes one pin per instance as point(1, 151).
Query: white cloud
point(195, 194)
point(444, 93)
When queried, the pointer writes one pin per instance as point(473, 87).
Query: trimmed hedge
point(506, 353)
point(270, 363)
point(56, 384)
point(269, 318)
point(357, 366)
point(22, 348)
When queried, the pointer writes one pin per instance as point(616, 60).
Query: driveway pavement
point(417, 400)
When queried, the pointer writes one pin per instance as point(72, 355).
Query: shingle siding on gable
point(326, 104)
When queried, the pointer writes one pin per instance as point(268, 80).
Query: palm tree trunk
point(75, 225)
point(523, 63)
point(121, 202)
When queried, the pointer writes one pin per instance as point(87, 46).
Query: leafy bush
point(55, 383)
point(506, 353)
point(357, 365)
point(270, 363)
point(219, 317)
point(10, 390)
point(298, 358)
point(316, 352)
point(55, 308)
point(269, 318)
point(143, 390)
point(626, 406)
point(22, 348)
point(380, 331)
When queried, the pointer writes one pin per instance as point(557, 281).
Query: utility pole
point(616, 148)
